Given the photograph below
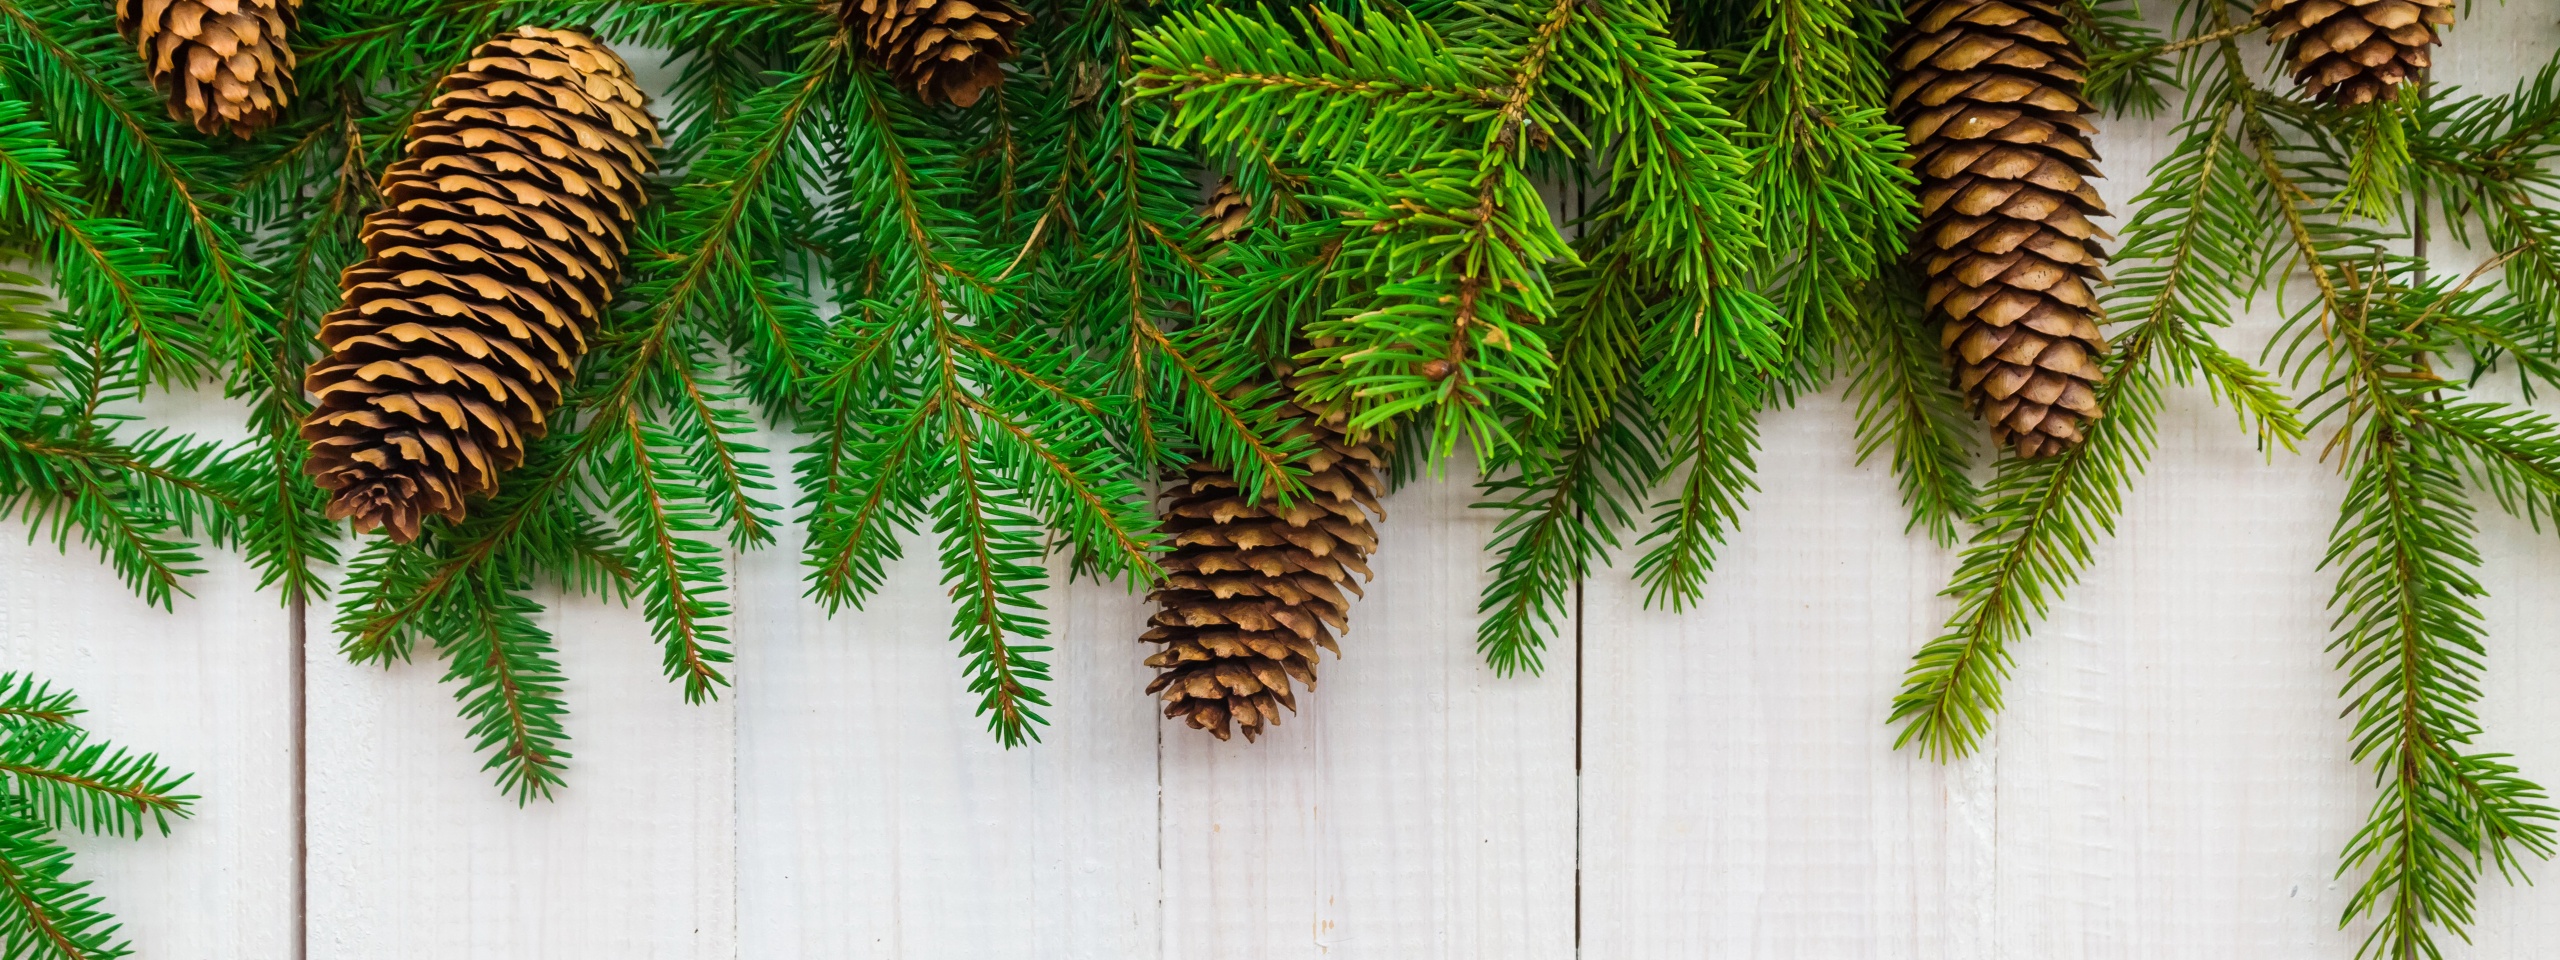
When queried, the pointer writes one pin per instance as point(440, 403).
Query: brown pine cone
point(223, 65)
point(1989, 91)
point(944, 50)
point(1252, 588)
point(505, 228)
point(2351, 52)
point(1229, 212)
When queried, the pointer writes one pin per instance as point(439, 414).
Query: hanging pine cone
point(223, 65)
point(944, 50)
point(505, 228)
point(1252, 588)
point(1989, 91)
point(2351, 52)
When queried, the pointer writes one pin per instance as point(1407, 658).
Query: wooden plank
point(205, 688)
point(879, 818)
point(1740, 794)
point(414, 853)
point(1417, 806)
point(2172, 766)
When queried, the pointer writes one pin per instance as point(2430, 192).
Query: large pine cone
point(1989, 91)
point(944, 50)
point(224, 65)
point(505, 228)
point(1252, 588)
point(2351, 52)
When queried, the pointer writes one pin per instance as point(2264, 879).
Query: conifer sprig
point(54, 776)
point(2193, 253)
point(2376, 340)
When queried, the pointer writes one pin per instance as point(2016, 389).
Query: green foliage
point(2263, 190)
point(53, 776)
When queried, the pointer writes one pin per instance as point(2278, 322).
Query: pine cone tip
point(225, 66)
point(943, 50)
point(2354, 52)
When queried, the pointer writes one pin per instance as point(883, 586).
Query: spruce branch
point(42, 914)
point(26, 701)
point(53, 776)
point(67, 780)
point(1905, 405)
point(2037, 531)
point(2409, 634)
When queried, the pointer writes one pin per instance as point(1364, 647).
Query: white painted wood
point(2169, 779)
point(1416, 807)
point(877, 816)
point(1740, 794)
point(414, 853)
point(203, 687)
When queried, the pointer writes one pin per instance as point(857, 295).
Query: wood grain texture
point(879, 818)
point(414, 853)
point(1741, 797)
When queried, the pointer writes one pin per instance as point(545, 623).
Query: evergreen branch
point(26, 701)
point(2038, 529)
point(1562, 511)
point(1716, 436)
point(509, 687)
point(676, 571)
point(43, 915)
point(107, 268)
point(66, 780)
point(986, 562)
point(2409, 641)
point(1905, 404)
point(1384, 87)
point(62, 492)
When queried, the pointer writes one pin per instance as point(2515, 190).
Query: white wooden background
point(2169, 779)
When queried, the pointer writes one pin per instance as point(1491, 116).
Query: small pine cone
point(1253, 589)
point(1989, 91)
point(1229, 212)
point(944, 50)
point(223, 65)
point(505, 228)
point(2351, 52)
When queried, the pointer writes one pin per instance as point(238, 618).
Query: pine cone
point(1229, 212)
point(1989, 91)
point(2351, 52)
point(1252, 589)
point(223, 65)
point(945, 50)
point(505, 228)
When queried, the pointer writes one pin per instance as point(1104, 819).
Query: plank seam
point(1578, 620)
point(298, 639)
